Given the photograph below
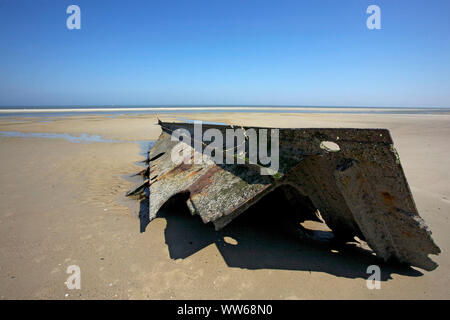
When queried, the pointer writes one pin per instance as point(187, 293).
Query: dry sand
point(62, 203)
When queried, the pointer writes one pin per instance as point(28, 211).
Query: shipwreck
point(350, 179)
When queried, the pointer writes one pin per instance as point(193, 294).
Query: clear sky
point(225, 52)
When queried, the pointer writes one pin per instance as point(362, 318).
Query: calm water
point(81, 138)
point(136, 110)
point(144, 145)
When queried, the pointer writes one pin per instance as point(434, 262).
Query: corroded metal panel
point(359, 190)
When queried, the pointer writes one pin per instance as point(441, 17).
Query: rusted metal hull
point(360, 190)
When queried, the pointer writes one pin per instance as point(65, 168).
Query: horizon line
point(137, 107)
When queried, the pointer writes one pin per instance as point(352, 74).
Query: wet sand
point(62, 203)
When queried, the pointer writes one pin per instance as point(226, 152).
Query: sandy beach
point(62, 203)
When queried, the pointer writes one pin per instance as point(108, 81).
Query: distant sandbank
point(168, 109)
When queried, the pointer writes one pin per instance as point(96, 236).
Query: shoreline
point(218, 109)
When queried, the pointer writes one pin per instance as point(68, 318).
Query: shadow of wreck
point(260, 239)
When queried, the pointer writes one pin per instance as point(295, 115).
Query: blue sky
point(225, 52)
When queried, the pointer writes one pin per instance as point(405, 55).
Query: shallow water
point(77, 139)
point(144, 145)
point(114, 111)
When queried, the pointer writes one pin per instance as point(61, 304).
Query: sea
point(114, 110)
